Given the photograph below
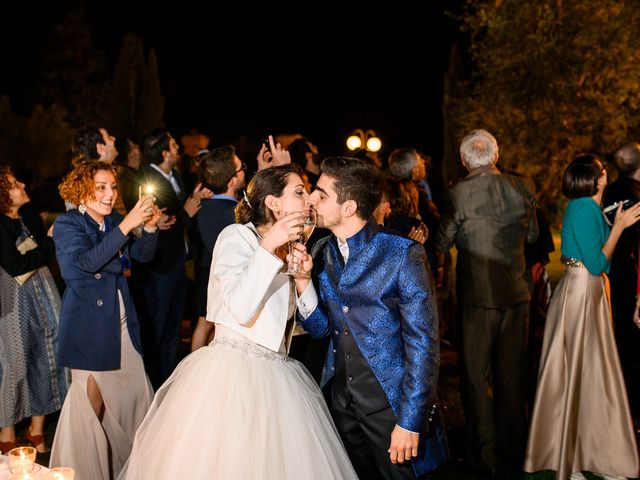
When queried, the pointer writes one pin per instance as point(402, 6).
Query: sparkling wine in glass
point(306, 229)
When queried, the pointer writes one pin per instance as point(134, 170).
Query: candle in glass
point(60, 473)
point(23, 476)
point(21, 459)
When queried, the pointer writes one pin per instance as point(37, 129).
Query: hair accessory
point(246, 199)
point(82, 209)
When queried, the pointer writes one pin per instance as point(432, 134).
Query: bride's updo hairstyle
point(270, 181)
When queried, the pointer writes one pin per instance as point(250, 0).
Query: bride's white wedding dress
point(236, 409)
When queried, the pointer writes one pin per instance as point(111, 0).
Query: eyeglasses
point(243, 168)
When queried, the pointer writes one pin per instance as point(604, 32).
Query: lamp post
point(367, 140)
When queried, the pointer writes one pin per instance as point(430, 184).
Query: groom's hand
point(404, 445)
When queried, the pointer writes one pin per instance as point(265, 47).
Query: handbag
point(23, 247)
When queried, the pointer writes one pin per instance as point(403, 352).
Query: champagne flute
point(306, 229)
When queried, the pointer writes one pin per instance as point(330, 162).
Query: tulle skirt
point(235, 410)
point(581, 418)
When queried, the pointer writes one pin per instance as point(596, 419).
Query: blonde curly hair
point(79, 186)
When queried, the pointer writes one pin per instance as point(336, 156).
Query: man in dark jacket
point(165, 280)
point(222, 172)
point(624, 272)
point(488, 216)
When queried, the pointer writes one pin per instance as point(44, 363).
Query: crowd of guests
point(376, 308)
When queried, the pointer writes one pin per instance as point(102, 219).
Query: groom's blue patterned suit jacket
point(385, 296)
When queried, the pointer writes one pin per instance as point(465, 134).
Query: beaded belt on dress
point(250, 348)
point(571, 262)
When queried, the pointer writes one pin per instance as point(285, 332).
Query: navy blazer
point(385, 297)
point(90, 264)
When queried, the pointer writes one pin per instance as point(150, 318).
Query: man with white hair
point(489, 216)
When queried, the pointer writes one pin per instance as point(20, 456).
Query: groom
point(376, 301)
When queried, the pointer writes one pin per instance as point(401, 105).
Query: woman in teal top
point(584, 232)
point(581, 419)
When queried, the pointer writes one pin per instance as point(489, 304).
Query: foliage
point(46, 139)
point(551, 79)
point(75, 75)
point(39, 143)
point(76, 88)
point(152, 101)
point(11, 129)
point(138, 104)
point(74, 72)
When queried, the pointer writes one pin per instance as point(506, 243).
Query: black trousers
point(493, 384)
point(628, 343)
point(367, 439)
point(164, 296)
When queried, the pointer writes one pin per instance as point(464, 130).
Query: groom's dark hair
point(355, 179)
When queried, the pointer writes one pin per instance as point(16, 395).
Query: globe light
point(374, 144)
point(354, 142)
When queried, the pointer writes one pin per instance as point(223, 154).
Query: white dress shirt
point(169, 176)
point(308, 300)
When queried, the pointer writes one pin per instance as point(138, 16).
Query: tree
point(11, 130)
point(74, 72)
point(138, 105)
point(46, 140)
point(39, 144)
point(152, 105)
point(551, 79)
point(127, 78)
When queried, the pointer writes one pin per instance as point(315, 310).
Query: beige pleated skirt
point(98, 450)
point(581, 419)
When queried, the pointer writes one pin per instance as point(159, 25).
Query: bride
point(240, 408)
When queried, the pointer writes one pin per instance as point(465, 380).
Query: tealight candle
point(32, 475)
point(60, 473)
point(23, 476)
point(21, 459)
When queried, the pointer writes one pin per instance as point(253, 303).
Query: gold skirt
point(581, 419)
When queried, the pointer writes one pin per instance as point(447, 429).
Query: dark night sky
point(248, 70)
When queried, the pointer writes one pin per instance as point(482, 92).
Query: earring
point(82, 209)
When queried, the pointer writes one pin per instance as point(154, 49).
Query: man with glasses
point(222, 172)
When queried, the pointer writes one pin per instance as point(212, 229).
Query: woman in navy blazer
point(99, 332)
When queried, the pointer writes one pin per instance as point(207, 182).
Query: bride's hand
point(287, 229)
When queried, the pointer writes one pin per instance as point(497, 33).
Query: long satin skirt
point(97, 449)
point(581, 419)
